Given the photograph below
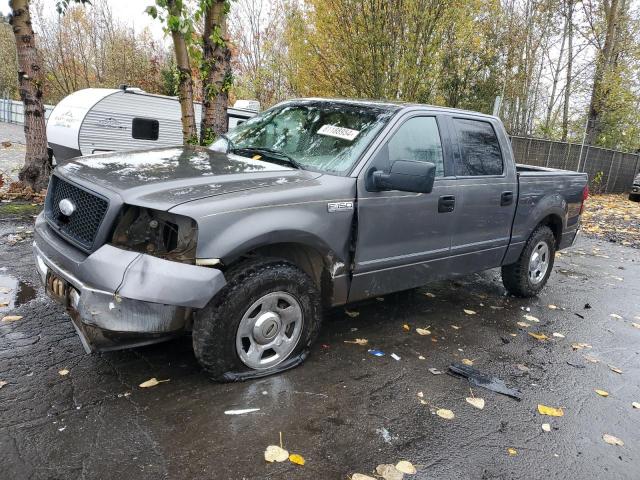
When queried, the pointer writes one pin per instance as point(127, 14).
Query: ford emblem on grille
point(66, 207)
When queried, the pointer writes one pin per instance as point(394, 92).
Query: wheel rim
point(539, 262)
point(269, 330)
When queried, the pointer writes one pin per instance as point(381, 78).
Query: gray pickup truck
point(312, 204)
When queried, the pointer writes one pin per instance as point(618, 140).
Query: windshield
point(322, 136)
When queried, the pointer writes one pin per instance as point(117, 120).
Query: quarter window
point(418, 139)
point(145, 129)
point(479, 148)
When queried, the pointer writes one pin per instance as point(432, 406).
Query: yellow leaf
point(538, 336)
point(152, 382)
point(406, 467)
point(476, 402)
point(580, 346)
point(63, 372)
point(469, 312)
point(406, 327)
point(11, 318)
point(423, 331)
point(615, 369)
point(611, 440)
point(602, 393)
point(297, 459)
point(524, 324)
point(512, 452)
point(274, 453)
point(389, 472)
point(551, 411)
point(466, 361)
point(358, 341)
point(531, 318)
point(444, 413)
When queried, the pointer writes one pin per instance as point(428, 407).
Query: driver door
point(404, 238)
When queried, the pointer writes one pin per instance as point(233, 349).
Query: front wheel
point(262, 322)
point(529, 275)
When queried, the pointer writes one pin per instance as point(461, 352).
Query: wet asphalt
point(344, 410)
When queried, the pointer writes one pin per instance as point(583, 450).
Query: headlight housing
point(154, 232)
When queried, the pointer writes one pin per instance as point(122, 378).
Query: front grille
point(81, 227)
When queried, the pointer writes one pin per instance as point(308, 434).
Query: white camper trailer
point(97, 120)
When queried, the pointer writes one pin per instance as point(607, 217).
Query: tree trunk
point(216, 72)
point(567, 88)
point(37, 167)
point(603, 64)
point(185, 82)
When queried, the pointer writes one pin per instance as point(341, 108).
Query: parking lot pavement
point(344, 410)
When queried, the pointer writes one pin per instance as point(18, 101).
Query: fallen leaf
point(274, 453)
point(616, 316)
point(11, 318)
point(591, 359)
point(524, 324)
point(389, 472)
point(469, 312)
point(538, 336)
point(423, 331)
point(4, 304)
point(611, 440)
point(531, 318)
point(152, 382)
point(468, 362)
point(615, 369)
point(406, 467)
point(352, 313)
point(634, 404)
point(558, 335)
point(476, 402)
point(580, 346)
point(522, 368)
point(551, 411)
point(406, 327)
point(444, 413)
point(63, 372)
point(359, 476)
point(512, 452)
point(420, 395)
point(546, 427)
point(435, 371)
point(635, 325)
point(380, 299)
point(552, 307)
point(358, 341)
point(421, 357)
point(455, 327)
point(3, 383)
point(602, 393)
point(430, 295)
point(297, 459)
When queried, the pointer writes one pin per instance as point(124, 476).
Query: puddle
point(14, 292)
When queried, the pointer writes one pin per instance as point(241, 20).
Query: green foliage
point(63, 5)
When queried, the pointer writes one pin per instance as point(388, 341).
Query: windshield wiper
point(270, 152)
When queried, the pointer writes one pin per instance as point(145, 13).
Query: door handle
point(446, 203)
point(506, 199)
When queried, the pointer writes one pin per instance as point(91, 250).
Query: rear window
point(145, 129)
point(479, 148)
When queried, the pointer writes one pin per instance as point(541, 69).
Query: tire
point(262, 296)
point(517, 277)
point(634, 198)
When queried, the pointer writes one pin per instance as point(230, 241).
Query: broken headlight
point(157, 233)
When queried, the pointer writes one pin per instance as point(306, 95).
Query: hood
point(166, 177)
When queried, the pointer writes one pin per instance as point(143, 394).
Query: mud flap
point(293, 362)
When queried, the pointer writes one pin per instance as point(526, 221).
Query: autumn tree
point(8, 61)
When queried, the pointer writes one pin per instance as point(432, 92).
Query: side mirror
point(404, 175)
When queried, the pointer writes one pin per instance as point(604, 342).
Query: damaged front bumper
point(118, 298)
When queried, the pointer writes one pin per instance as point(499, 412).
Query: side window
point(145, 129)
point(418, 139)
point(479, 148)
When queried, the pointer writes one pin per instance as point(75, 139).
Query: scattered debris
point(546, 427)
point(590, 358)
point(616, 316)
point(423, 331)
point(551, 411)
point(522, 368)
point(538, 336)
point(478, 379)
point(524, 324)
point(444, 413)
point(557, 335)
point(435, 371)
point(376, 353)
point(552, 307)
point(384, 433)
point(467, 361)
point(11, 318)
point(241, 412)
point(580, 346)
point(421, 357)
point(63, 372)
point(602, 393)
point(274, 453)
point(406, 467)
point(531, 318)
point(358, 341)
point(152, 382)
point(430, 295)
point(587, 306)
point(634, 404)
point(476, 402)
point(389, 472)
point(360, 476)
point(395, 357)
point(611, 440)
point(512, 452)
point(352, 313)
point(635, 325)
point(615, 369)
point(469, 312)
point(455, 327)
point(3, 383)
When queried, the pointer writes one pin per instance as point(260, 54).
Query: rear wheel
point(634, 197)
point(262, 322)
point(529, 275)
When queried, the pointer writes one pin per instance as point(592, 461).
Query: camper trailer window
point(145, 129)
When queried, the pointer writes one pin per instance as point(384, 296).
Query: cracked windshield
point(322, 136)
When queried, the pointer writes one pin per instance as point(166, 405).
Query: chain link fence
point(610, 171)
point(12, 111)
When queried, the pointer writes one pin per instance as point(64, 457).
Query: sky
point(130, 12)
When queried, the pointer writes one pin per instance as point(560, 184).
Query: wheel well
point(554, 222)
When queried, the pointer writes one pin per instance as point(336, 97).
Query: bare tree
point(569, 79)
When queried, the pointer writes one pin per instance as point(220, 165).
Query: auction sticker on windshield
point(338, 132)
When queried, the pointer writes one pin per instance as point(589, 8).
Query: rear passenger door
point(486, 194)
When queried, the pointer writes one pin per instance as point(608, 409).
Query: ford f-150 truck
point(313, 203)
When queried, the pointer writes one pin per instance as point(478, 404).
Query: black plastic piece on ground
point(478, 379)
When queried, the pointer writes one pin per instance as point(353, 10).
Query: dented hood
point(164, 178)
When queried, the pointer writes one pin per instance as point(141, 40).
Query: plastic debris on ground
point(479, 379)
point(376, 353)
